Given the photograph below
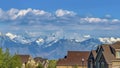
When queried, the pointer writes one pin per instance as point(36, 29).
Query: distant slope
point(47, 47)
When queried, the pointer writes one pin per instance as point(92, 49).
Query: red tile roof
point(74, 58)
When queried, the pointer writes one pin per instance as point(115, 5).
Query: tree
point(40, 66)
point(52, 64)
point(76, 66)
point(1, 57)
point(8, 61)
point(15, 62)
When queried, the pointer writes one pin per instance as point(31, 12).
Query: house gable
point(91, 59)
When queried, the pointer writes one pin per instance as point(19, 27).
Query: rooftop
point(74, 58)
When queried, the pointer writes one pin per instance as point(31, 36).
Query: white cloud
point(35, 16)
point(115, 20)
point(32, 11)
point(12, 13)
point(35, 19)
point(94, 20)
point(19, 15)
point(61, 12)
point(24, 12)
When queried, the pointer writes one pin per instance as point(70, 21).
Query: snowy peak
point(51, 46)
point(109, 40)
point(11, 36)
point(17, 38)
point(54, 37)
point(40, 41)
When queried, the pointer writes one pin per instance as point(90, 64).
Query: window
point(98, 65)
point(91, 64)
point(102, 65)
point(118, 54)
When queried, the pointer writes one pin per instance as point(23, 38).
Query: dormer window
point(117, 54)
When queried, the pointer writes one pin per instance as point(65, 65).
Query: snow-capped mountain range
point(51, 46)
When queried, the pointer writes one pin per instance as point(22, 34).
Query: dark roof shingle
point(116, 45)
point(94, 53)
point(74, 58)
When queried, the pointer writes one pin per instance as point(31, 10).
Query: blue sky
point(97, 8)
point(97, 18)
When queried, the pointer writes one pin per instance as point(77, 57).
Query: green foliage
point(76, 66)
point(1, 56)
point(52, 64)
point(40, 66)
point(8, 61)
point(15, 62)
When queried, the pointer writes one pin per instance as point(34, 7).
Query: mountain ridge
point(49, 47)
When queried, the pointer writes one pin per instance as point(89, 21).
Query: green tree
point(40, 66)
point(76, 66)
point(8, 61)
point(1, 57)
point(52, 64)
point(15, 62)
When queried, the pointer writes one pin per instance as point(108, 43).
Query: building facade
point(91, 59)
point(39, 60)
point(107, 56)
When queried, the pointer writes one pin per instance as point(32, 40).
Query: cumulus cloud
point(25, 16)
point(115, 20)
point(94, 20)
point(61, 12)
point(18, 19)
point(36, 16)
point(15, 13)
